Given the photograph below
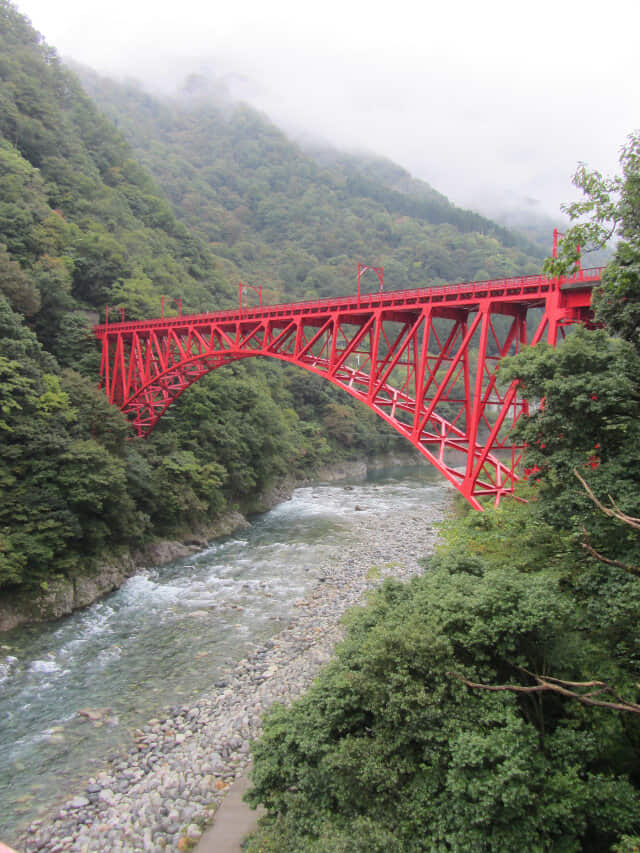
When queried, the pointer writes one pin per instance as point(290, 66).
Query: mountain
point(121, 198)
point(297, 220)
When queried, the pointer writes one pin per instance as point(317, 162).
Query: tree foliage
point(610, 210)
point(388, 739)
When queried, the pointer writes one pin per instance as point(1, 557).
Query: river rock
point(160, 553)
point(107, 796)
point(93, 714)
point(77, 803)
point(156, 795)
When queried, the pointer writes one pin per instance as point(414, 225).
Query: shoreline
point(166, 789)
point(64, 596)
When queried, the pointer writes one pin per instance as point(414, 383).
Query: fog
point(493, 104)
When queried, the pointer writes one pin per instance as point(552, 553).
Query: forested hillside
point(178, 199)
point(298, 221)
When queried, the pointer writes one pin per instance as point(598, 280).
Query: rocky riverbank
point(161, 794)
point(63, 595)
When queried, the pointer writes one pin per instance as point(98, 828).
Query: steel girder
point(426, 361)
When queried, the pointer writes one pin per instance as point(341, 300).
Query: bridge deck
point(527, 288)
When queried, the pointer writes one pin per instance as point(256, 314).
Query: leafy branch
point(614, 511)
point(602, 208)
point(569, 689)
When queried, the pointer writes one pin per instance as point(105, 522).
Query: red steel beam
point(423, 360)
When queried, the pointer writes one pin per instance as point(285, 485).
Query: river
point(167, 635)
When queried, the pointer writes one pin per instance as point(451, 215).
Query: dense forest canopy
point(297, 221)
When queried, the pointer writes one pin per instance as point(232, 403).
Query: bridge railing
point(588, 276)
point(390, 297)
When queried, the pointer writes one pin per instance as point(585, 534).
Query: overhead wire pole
point(362, 269)
point(242, 290)
point(114, 308)
point(170, 299)
point(557, 236)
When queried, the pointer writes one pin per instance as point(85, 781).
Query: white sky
point(491, 102)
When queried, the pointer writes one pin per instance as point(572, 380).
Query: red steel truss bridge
point(424, 360)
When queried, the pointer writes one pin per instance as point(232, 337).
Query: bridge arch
point(425, 361)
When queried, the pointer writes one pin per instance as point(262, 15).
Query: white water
point(166, 636)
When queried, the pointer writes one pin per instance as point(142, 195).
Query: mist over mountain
point(297, 219)
point(110, 195)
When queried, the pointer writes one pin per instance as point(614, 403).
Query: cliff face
point(63, 595)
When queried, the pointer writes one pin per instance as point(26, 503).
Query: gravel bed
point(161, 794)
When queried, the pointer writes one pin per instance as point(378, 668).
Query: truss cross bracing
point(424, 360)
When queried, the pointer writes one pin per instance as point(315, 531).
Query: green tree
point(17, 286)
point(611, 209)
point(387, 740)
point(589, 421)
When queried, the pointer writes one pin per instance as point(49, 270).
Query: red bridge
point(424, 360)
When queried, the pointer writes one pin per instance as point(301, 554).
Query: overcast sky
point(491, 102)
